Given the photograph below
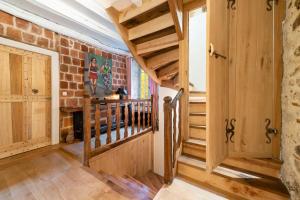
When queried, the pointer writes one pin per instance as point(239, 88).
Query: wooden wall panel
point(132, 158)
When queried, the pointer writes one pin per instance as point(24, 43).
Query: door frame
point(54, 81)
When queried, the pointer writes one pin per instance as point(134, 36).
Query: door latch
point(232, 5)
point(212, 52)
point(270, 131)
point(230, 130)
point(35, 91)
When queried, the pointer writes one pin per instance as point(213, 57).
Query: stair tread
point(197, 99)
point(196, 141)
point(197, 126)
point(197, 113)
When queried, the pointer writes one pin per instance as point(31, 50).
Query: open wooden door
point(217, 82)
point(253, 77)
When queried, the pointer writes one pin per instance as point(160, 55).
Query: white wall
point(197, 49)
point(159, 135)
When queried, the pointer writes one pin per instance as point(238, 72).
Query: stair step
point(232, 183)
point(197, 99)
point(197, 119)
point(128, 186)
point(197, 131)
point(195, 148)
point(197, 107)
point(197, 94)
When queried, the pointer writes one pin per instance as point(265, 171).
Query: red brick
point(61, 76)
point(114, 69)
point(43, 42)
point(82, 63)
point(71, 102)
point(27, 37)
point(78, 78)
point(84, 48)
point(69, 77)
point(77, 45)
point(63, 85)
point(22, 23)
point(1, 29)
point(64, 42)
point(79, 93)
point(73, 85)
point(76, 61)
point(36, 29)
point(119, 70)
point(81, 55)
point(64, 51)
point(51, 45)
point(6, 18)
point(74, 53)
point(63, 68)
point(48, 34)
point(80, 70)
point(14, 33)
point(62, 102)
point(98, 52)
point(115, 81)
point(80, 86)
point(71, 42)
point(80, 103)
point(73, 69)
point(67, 59)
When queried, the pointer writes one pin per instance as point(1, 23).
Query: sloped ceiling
point(87, 17)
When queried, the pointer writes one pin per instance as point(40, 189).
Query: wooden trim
point(113, 13)
point(152, 26)
point(157, 44)
point(176, 8)
point(87, 129)
point(133, 12)
point(162, 59)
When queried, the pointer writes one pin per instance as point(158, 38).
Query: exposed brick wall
point(71, 53)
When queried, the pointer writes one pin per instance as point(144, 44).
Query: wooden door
point(252, 75)
point(25, 101)
point(217, 82)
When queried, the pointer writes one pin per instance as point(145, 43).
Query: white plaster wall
point(158, 160)
point(290, 151)
point(197, 49)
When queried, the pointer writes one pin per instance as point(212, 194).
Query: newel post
point(168, 172)
point(87, 128)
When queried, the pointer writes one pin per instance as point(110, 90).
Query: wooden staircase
point(152, 32)
point(131, 187)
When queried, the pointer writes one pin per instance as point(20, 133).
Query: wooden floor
point(152, 180)
point(51, 174)
point(181, 190)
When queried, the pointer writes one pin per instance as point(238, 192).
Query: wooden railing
point(172, 135)
point(145, 119)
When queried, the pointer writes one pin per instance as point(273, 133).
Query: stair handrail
point(172, 141)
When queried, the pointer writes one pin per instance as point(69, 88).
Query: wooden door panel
point(40, 75)
point(252, 72)
point(217, 82)
point(16, 74)
point(6, 124)
point(40, 119)
point(5, 74)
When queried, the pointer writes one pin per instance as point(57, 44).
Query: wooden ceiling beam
point(157, 44)
point(152, 26)
point(168, 72)
point(162, 59)
point(134, 11)
point(113, 13)
point(176, 9)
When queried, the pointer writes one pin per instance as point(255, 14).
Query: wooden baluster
point(174, 134)
point(139, 117)
point(168, 172)
point(97, 126)
point(118, 120)
point(132, 117)
point(87, 128)
point(148, 112)
point(109, 124)
point(126, 121)
point(144, 115)
point(179, 127)
point(153, 120)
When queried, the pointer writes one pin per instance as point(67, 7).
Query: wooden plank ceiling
point(151, 32)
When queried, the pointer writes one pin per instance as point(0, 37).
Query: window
point(139, 82)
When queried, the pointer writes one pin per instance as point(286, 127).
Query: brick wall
point(71, 60)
